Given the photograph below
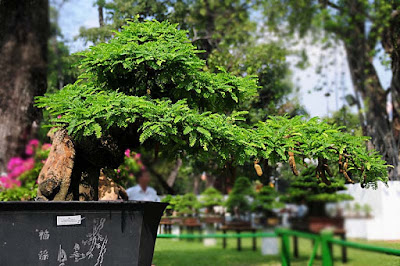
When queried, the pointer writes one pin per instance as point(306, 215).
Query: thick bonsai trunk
point(23, 58)
point(74, 170)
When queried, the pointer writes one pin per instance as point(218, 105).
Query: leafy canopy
point(149, 80)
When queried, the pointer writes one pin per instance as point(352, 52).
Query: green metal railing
point(196, 236)
point(325, 240)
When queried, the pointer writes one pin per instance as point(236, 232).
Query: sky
point(77, 13)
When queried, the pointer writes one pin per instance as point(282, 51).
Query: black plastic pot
point(78, 233)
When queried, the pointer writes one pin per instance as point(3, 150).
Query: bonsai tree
point(187, 204)
point(148, 88)
point(210, 198)
point(357, 209)
point(367, 210)
point(315, 193)
point(171, 204)
point(265, 200)
point(238, 200)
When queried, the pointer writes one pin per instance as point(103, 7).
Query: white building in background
point(384, 223)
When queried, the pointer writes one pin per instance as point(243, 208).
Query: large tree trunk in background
point(24, 28)
point(391, 44)
point(174, 173)
point(366, 84)
point(375, 98)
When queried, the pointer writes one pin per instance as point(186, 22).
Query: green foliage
point(187, 204)
point(265, 201)
point(170, 200)
point(148, 77)
point(158, 60)
point(228, 37)
point(18, 193)
point(307, 189)
point(116, 12)
point(268, 63)
point(344, 117)
point(238, 199)
point(332, 16)
point(210, 198)
point(367, 209)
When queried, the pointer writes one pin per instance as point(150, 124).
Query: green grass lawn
point(184, 252)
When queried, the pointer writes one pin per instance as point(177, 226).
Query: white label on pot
point(69, 220)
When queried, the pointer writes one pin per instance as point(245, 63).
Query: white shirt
point(137, 193)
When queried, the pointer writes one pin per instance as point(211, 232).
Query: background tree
point(60, 69)
point(362, 27)
point(24, 31)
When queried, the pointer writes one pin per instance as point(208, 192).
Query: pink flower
point(28, 150)
point(119, 171)
point(137, 156)
point(46, 146)
point(59, 116)
point(128, 153)
point(34, 142)
point(7, 182)
point(17, 166)
point(15, 161)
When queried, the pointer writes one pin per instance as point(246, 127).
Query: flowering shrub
point(20, 181)
point(129, 169)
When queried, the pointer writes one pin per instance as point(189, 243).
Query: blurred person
point(302, 209)
point(142, 191)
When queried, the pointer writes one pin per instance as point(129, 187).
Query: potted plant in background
point(264, 203)
point(238, 202)
point(187, 208)
point(357, 210)
point(367, 210)
point(315, 194)
point(209, 199)
point(173, 218)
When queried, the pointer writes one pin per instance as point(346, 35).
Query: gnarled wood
point(55, 177)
